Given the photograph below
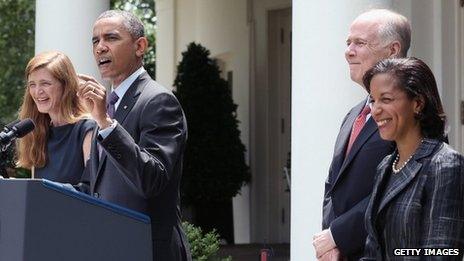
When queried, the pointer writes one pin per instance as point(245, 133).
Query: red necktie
point(357, 127)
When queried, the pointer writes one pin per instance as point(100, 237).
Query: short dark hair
point(415, 78)
point(131, 22)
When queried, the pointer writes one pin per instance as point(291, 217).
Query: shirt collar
point(124, 86)
point(368, 101)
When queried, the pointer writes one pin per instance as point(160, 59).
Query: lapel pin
point(125, 107)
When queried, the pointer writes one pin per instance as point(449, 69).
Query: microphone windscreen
point(24, 127)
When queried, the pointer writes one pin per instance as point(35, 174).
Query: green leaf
point(145, 10)
point(17, 47)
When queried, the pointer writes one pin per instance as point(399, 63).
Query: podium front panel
point(42, 220)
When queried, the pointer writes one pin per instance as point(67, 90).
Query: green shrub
point(17, 19)
point(214, 161)
point(204, 247)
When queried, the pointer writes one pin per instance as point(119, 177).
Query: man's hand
point(331, 255)
point(93, 95)
point(323, 242)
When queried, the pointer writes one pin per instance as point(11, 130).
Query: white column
point(241, 216)
point(322, 94)
point(165, 42)
point(66, 26)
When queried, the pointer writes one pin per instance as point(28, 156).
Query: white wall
point(321, 96)
point(66, 26)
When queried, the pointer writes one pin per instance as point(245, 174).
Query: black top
point(65, 161)
point(382, 219)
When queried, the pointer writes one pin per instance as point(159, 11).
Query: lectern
point(42, 220)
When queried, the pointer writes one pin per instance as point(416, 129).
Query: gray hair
point(393, 27)
point(131, 22)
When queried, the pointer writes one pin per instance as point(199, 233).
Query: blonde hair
point(32, 148)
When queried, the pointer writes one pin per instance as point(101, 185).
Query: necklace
point(395, 167)
point(395, 163)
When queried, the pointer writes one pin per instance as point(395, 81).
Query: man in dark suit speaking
point(373, 36)
point(136, 156)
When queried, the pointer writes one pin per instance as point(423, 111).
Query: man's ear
point(394, 48)
point(141, 46)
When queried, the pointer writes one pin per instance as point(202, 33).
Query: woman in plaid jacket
point(418, 196)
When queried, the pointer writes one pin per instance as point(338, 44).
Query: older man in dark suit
point(136, 159)
point(373, 36)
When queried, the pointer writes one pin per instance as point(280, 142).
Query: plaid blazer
point(423, 208)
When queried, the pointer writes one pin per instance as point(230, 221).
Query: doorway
point(460, 71)
point(279, 121)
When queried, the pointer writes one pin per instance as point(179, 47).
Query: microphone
point(15, 130)
point(10, 125)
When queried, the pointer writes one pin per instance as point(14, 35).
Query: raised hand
point(93, 95)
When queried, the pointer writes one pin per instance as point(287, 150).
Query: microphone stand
point(5, 153)
point(4, 148)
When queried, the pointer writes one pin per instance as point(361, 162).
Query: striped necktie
point(111, 101)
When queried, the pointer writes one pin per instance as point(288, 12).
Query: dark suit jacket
point(141, 163)
point(350, 182)
point(423, 208)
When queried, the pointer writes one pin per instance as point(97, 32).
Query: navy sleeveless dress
point(65, 161)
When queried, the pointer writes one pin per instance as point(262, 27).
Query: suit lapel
point(383, 167)
point(127, 103)
point(342, 140)
point(129, 98)
point(345, 133)
point(100, 157)
point(93, 148)
point(367, 131)
point(369, 128)
point(101, 162)
point(408, 173)
point(94, 158)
